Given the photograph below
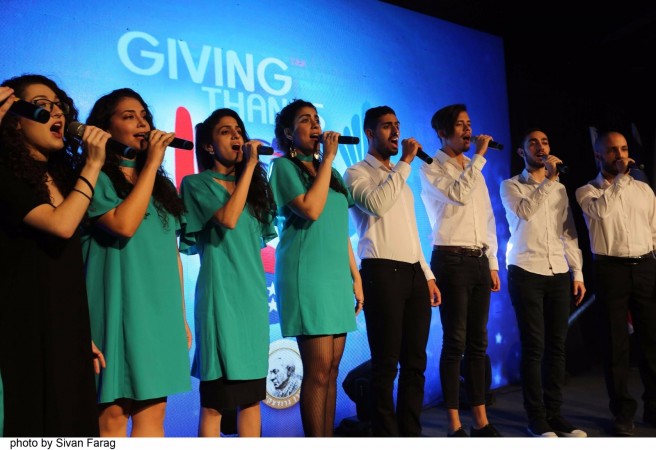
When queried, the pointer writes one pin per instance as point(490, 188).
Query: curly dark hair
point(285, 120)
point(164, 191)
point(62, 165)
point(260, 197)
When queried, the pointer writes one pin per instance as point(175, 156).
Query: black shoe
point(541, 428)
point(623, 427)
point(460, 432)
point(487, 431)
point(649, 418)
point(565, 429)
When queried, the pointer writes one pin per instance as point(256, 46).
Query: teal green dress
point(314, 288)
point(231, 310)
point(135, 304)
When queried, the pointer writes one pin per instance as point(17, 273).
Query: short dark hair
point(600, 142)
point(445, 118)
point(529, 131)
point(373, 114)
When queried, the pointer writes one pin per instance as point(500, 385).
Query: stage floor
point(585, 406)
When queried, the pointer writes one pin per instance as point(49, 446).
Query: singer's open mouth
point(236, 147)
point(56, 129)
point(314, 136)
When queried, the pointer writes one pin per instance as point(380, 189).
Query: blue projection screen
point(188, 58)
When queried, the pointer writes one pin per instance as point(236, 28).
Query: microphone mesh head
point(76, 129)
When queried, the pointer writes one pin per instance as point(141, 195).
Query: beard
point(535, 163)
point(386, 151)
point(610, 168)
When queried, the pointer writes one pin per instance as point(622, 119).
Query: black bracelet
point(88, 184)
point(77, 190)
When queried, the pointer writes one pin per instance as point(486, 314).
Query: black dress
point(45, 340)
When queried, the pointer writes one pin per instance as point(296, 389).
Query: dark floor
point(585, 406)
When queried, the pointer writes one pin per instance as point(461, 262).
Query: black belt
point(464, 251)
point(626, 260)
point(389, 263)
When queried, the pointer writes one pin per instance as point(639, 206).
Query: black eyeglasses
point(49, 105)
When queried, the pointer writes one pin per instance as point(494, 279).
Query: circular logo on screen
point(283, 384)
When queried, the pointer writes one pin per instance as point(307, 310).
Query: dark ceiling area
point(594, 65)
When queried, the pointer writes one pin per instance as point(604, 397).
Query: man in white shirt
point(542, 250)
point(398, 284)
point(620, 213)
point(464, 261)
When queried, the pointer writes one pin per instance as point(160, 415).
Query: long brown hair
point(260, 197)
point(164, 191)
point(14, 153)
point(285, 119)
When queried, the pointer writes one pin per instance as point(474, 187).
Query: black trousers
point(624, 286)
point(397, 312)
point(465, 283)
point(542, 306)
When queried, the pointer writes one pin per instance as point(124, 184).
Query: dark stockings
point(321, 356)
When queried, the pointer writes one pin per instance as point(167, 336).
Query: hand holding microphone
point(158, 141)
point(251, 150)
point(406, 143)
point(329, 140)
point(77, 129)
point(5, 93)
point(484, 142)
point(554, 166)
point(624, 164)
point(94, 142)
point(20, 107)
point(637, 166)
point(263, 150)
point(343, 139)
point(182, 144)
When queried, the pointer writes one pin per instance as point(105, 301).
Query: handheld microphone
point(176, 142)
point(562, 168)
point(29, 111)
point(421, 154)
point(344, 139)
point(633, 165)
point(262, 150)
point(77, 129)
point(491, 144)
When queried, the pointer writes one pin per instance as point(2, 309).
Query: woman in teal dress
point(229, 218)
point(134, 273)
point(316, 274)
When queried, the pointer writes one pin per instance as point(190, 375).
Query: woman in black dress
point(46, 354)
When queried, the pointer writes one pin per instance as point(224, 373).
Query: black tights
point(321, 356)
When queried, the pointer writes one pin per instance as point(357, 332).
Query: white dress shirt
point(621, 216)
point(543, 237)
point(385, 212)
point(458, 204)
